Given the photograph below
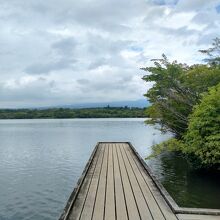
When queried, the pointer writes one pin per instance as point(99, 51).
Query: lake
point(41, 161)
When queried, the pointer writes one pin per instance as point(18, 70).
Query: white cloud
point(65, 52)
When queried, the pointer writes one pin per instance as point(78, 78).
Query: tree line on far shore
point(105, 112)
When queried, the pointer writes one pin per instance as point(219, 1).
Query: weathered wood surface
point(116, 186)
point(197, 217)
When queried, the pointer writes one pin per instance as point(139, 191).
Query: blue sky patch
point(218, 8)
point(165, 2)
point(136, 48)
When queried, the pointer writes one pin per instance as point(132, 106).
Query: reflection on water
point(41, 161)
point(188, 188)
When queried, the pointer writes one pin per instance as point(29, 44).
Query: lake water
point(41, 161)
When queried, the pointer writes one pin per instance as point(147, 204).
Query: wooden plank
point(110, 189)
point(197, 217)
point(133, 212)
point(91, 196)
point(121, 208)
point(81, 197)
point(167, 212)
point(149, 199)
point(140, 200)
point(116, 185)
point(98, 213)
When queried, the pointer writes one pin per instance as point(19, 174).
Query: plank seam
point(122, 184)
point(98, 183)
point(148, 187)
point(130, 184)
point(138, 183)
point(106, 182)
point(89, 185)
point(114, 181)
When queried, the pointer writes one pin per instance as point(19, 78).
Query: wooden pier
point(116, 185)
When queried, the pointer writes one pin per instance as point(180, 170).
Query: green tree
point(201, 142)
point(182, 104)
point(176, 89)
point(167, 95)
point(213, 53)
point(202, 138)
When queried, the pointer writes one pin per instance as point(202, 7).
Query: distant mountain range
point(141, 103)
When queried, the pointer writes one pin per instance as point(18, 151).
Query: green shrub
point(202, 138)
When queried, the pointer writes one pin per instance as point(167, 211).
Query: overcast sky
point(55, 52)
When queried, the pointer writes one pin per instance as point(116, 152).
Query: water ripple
point(41, 160)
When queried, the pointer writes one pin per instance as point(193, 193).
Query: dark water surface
point(41, 161)
point(195, 189)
